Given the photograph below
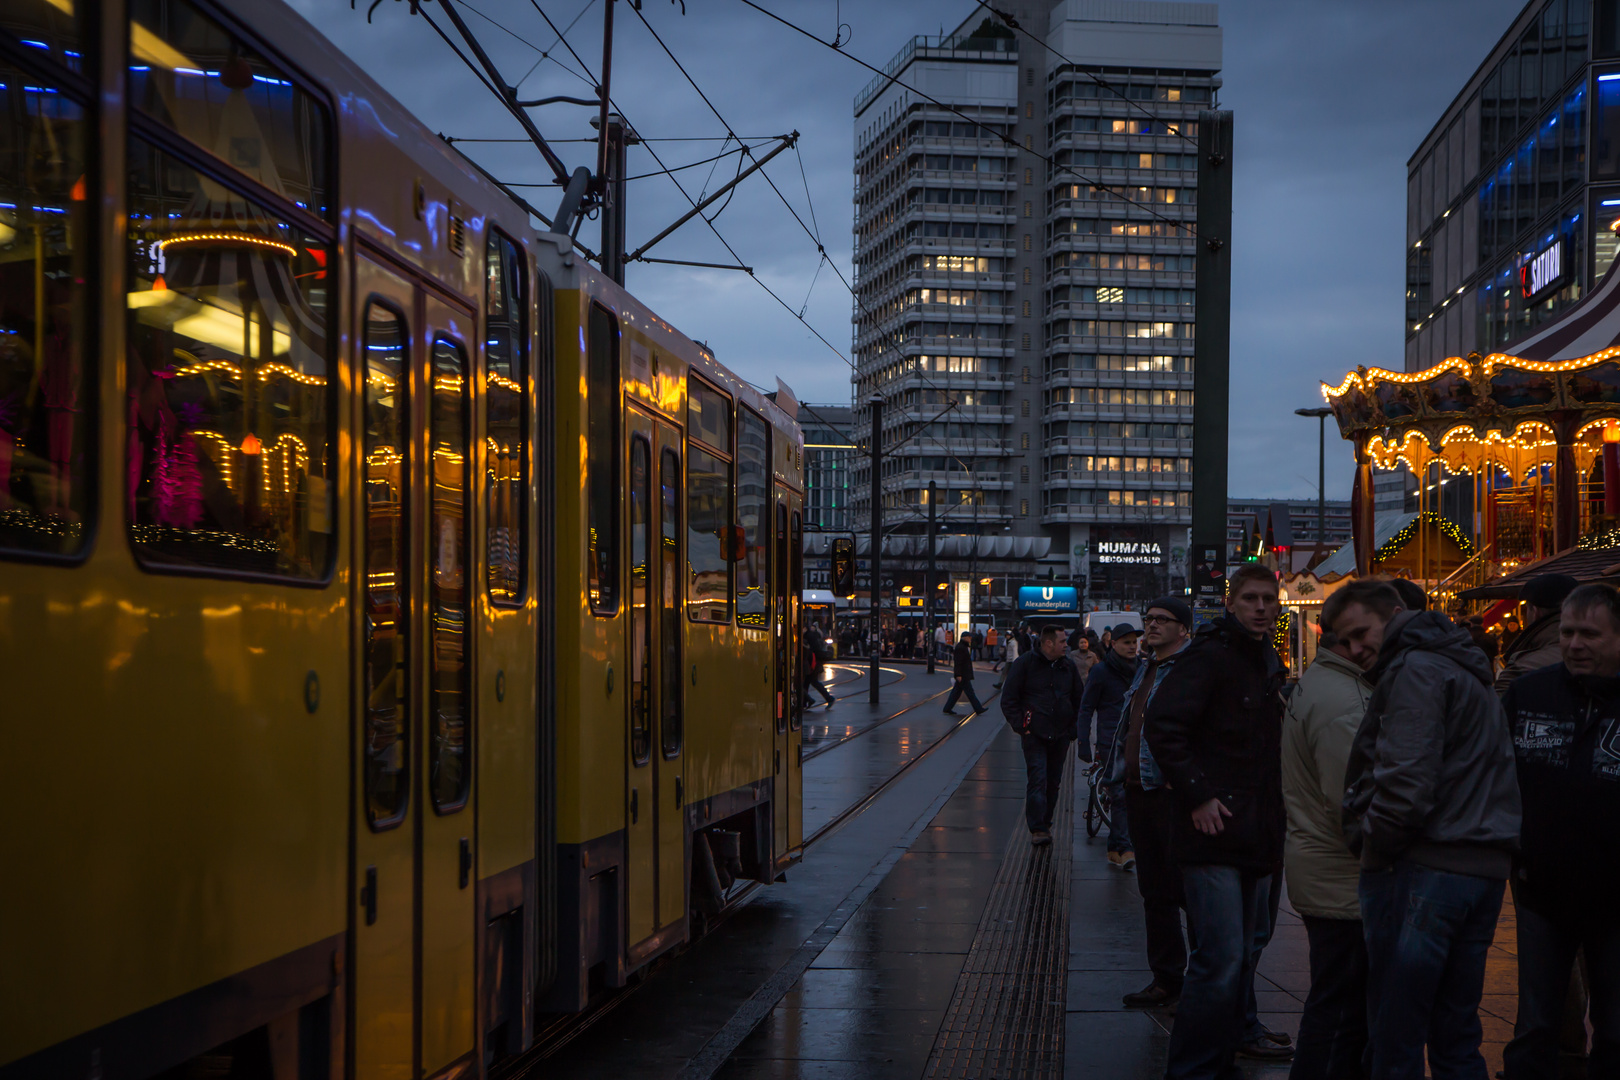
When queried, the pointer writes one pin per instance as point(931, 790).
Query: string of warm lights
point(238, 239)
point(1366, 378)
point(1388, 549)
point(297, 376)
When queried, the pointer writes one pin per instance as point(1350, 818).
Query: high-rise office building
point(1025, 287)
point(1513, 198)
point(829, 453)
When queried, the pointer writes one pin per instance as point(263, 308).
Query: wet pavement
point(864, 963)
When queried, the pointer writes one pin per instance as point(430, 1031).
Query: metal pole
point(928, 577)
point(1212, 355)
point(1321, 482)
point(876, 558)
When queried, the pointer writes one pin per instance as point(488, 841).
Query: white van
point(1098, 621)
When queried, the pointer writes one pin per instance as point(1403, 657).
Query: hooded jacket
point(1566, 734)
point(1536, 648)
point(1047, 689)
point(1104, 697)
point(1431, 777)
point(1214, 727)
point(1319, 728)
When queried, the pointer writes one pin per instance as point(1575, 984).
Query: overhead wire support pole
point(786, 143)
point(509, 96)
point(875, 560)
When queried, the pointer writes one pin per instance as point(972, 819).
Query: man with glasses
point(1150, 807)
point(1104, 697)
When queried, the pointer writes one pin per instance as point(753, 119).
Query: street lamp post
point(1321, 415)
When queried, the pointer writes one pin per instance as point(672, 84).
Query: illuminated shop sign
point(1050, 599)
point(1126, 551)
point(1544, 271)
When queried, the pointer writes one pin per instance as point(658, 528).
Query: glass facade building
point(1513, 198)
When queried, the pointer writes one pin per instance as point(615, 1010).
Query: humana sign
point(1127, 551)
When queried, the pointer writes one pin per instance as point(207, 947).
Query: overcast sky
point(1330, 99)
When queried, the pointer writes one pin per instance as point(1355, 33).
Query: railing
point(1478, 570)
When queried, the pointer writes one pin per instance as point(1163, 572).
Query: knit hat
point(1176, 606)
point(1547, 591)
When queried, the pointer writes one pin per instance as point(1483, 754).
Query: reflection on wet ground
point(848, 969)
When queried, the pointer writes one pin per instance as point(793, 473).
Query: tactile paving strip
point(1006, 1018)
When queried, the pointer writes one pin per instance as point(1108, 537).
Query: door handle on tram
point(368, 895)
point(635, 805)
point(466, 862)
point(680, 792)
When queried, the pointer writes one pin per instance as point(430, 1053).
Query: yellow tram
point(398, 620)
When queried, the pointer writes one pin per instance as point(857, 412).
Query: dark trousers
point(963, 686)
point(1227, 910)
point(1043, 766)
point(1547, 950)
point(1158, 879)
point(1333, 1027)
point(1427, 935)
point(812, 681)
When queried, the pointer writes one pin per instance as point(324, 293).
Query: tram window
point(708, 415)
point(602, 460)
point(449, 710)
point(54, 28)
point(387, 742)
point(708, 528)
point(640, 601)
point(47, 421)
point(230, 437)
point(753, 514)
point(506, 403)
point(669, 630)
point(190, 74)
point(793, 598)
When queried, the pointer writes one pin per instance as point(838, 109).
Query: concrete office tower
point(1051, 302)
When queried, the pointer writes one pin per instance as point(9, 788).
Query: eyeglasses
point(1156, 620)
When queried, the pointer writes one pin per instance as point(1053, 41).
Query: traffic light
point(843, 566)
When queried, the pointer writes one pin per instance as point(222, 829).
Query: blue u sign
point(1049, 599)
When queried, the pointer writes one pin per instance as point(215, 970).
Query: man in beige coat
point(1323, 715)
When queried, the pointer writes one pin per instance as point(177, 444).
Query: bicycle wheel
point(1094, 814)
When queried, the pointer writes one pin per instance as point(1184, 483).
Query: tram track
point(552, 1037)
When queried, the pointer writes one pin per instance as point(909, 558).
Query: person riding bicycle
point(1167, 631)
point(1104, 697)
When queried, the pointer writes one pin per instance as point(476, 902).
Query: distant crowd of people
point(1418, 769)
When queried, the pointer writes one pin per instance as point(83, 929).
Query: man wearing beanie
point(1537, 647)
point(1166, 632)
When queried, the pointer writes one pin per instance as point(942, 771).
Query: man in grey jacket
point(1323, 715)
point(1431, 805)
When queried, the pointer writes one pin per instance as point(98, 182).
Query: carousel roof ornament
point(1550, 402)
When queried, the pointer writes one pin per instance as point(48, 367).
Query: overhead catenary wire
point(1004, 138)
point(1174, 127)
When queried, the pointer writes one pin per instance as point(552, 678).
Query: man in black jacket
point(1431, 807)
point(1565, 721)
point(1214, 727)
point(1041, 700)
point(1104, 697)
point(962, 658)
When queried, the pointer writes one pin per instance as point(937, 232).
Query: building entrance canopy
point(1527, 428)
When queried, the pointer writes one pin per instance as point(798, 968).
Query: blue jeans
point(1546, 953)
point(1228, 911)
point(1427, 935)
point(1043, 768)
point(1119, 821)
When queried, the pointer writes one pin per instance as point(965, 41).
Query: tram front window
point(229, 453)
point(46, 421)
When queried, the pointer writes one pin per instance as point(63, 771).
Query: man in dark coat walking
point(962, 658)
point(1041, 700)
point(1215, 727)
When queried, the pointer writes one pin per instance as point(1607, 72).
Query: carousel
point(1519, 450)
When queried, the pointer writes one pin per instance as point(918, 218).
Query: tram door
point(655, 856)
point(412, 975)
point(790, 673)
